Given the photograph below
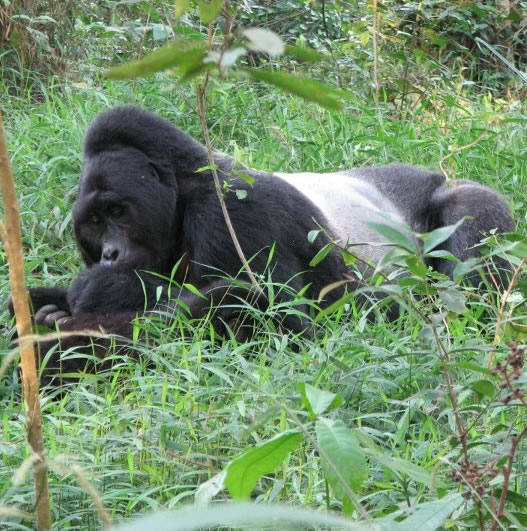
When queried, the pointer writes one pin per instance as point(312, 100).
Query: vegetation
point(422, 420)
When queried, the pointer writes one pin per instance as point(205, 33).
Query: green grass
point(150, 431)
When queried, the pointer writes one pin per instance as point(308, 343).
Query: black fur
point(142, 206)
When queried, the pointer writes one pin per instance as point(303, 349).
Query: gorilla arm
point(104, 301)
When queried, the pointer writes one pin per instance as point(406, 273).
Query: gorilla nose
point(109, 255)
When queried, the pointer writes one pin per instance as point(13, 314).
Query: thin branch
point(507, 476)
point(375, 34)
point(506, 296)
point(15, 257)
point(202, 111)
point(460, 148)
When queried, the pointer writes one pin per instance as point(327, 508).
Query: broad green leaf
point(417, 473)
point(209, 9)
point(349, 258)
point(483, 388)
point(304, 54)
point(264, 40)
point(416, 266)
point(303, 87)
point(166, 57)
point(317, 401)
point(245, 470)
point(394, 236)
point(180, 6)
point(343, 460)
point(321, 254)
point(454, 300)
point(427, 516)
point(519, 249)
point(437, 236)
point(242, 515)
point(364, 38)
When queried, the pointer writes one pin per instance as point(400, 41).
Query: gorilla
point(147, 203)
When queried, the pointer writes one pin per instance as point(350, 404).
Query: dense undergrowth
point(149, 432)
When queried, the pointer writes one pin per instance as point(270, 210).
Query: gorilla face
point(124, 214)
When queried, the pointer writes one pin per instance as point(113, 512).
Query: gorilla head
point(124, 214)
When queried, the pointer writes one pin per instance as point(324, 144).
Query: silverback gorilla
point(142, 206)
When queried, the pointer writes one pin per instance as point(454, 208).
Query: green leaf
point(207, 490)
point(312, 235)
point(166, 57)
point(328, 288)
point(473, 367)
point(264, 40)
point(427, 516)
point(454, 300)
point(303, 53)
point(463, 268)
point(180, 6)
point(321, 254)
point(194, 290)
point(209, 10)
point(440, 253)
point(317, 401)
point(434, 238)
point(417, 473)
point(483, 388)
point(394, 236)
point(519, 249)
point(334, 306)
point(245, 178)
point(241, 194)
point(417, 266)
point(209, 167)
point(349, 258)
point(343, 460)
point(303, 87)
point(245, 470)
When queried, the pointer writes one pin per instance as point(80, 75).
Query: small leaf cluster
point(187, 60)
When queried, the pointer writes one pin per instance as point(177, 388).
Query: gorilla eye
point(95, 219)
point(116, 211)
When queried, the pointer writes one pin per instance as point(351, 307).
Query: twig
point(202, 110)
point(501, 311)
point(460, 148)
point(507, 476)
point(375, 33)
point(15, 257)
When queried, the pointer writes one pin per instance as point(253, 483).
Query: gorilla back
point(143, 205)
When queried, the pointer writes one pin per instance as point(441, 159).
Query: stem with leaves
point(202, 111)
point(11, 234)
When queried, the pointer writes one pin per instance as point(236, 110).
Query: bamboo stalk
point(15, 258)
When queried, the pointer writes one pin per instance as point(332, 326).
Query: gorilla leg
point(486, 211)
